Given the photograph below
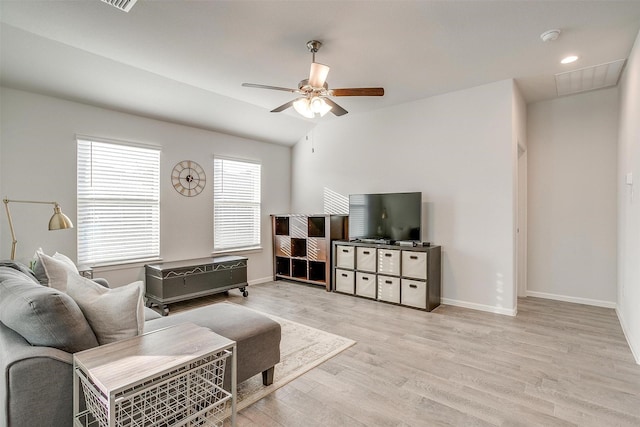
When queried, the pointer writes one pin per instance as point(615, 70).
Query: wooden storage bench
point(168, 282)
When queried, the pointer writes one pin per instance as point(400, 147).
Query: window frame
point(153, 209)
point(256, 244)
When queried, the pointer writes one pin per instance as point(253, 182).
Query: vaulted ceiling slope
point(184, 62)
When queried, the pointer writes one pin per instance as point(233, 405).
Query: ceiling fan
point(315, 90)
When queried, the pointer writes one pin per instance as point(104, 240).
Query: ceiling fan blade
point(362, 91)
point(283, 106)
point(318, 74)
point(270, 87)
point(336, 109)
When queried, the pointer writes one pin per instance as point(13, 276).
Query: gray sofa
point(37, 384)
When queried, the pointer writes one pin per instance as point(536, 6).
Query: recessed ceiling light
point(569, 59)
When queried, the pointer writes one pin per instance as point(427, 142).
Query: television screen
point(388, 216)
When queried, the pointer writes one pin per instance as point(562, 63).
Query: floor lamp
point(58, 221)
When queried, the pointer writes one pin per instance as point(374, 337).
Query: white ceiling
point(185, 61)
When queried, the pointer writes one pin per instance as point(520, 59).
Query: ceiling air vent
point(125, 5)
point(590, 78)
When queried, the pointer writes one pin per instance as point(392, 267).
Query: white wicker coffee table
point(170, 377)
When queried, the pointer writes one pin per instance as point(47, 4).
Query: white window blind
point(236, 204)
point(118, 202)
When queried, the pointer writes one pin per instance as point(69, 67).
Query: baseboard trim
point(481, 307)
point(261, 280)
point(576, 300)
point(635, 351)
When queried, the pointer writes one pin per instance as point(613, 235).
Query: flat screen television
point(386, 216)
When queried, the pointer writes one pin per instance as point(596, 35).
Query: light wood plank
point(554, 364)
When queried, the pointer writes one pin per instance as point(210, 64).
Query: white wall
point(628, 291)
point(457, 149)
point(572, 198)
point(520, 182)
point(38, 162)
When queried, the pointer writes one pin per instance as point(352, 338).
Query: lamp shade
point(59, 221)
point(318, 74)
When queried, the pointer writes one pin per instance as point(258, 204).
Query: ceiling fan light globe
point(316, 104)
point(323, 108)
point(319, 106)
point(303, 108)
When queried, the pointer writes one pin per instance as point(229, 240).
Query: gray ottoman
point(257, 336)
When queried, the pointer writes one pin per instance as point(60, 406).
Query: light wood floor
point(554, 364)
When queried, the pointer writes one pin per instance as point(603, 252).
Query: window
point(118, 202)
point(236, 204)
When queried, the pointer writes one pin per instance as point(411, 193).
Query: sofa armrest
point(34, 377)
point(102, 282)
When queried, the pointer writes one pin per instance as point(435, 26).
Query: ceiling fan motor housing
point(305, 87)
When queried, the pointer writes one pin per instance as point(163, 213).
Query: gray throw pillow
point(114, 314)
point(43, 316)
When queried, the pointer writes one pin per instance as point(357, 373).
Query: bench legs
point(267, 376)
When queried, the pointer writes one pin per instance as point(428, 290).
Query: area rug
point(302, 348)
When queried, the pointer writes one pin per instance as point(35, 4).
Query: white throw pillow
point(113, 314)
point(57, 268)
point(38, 268)
point(67, 261)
